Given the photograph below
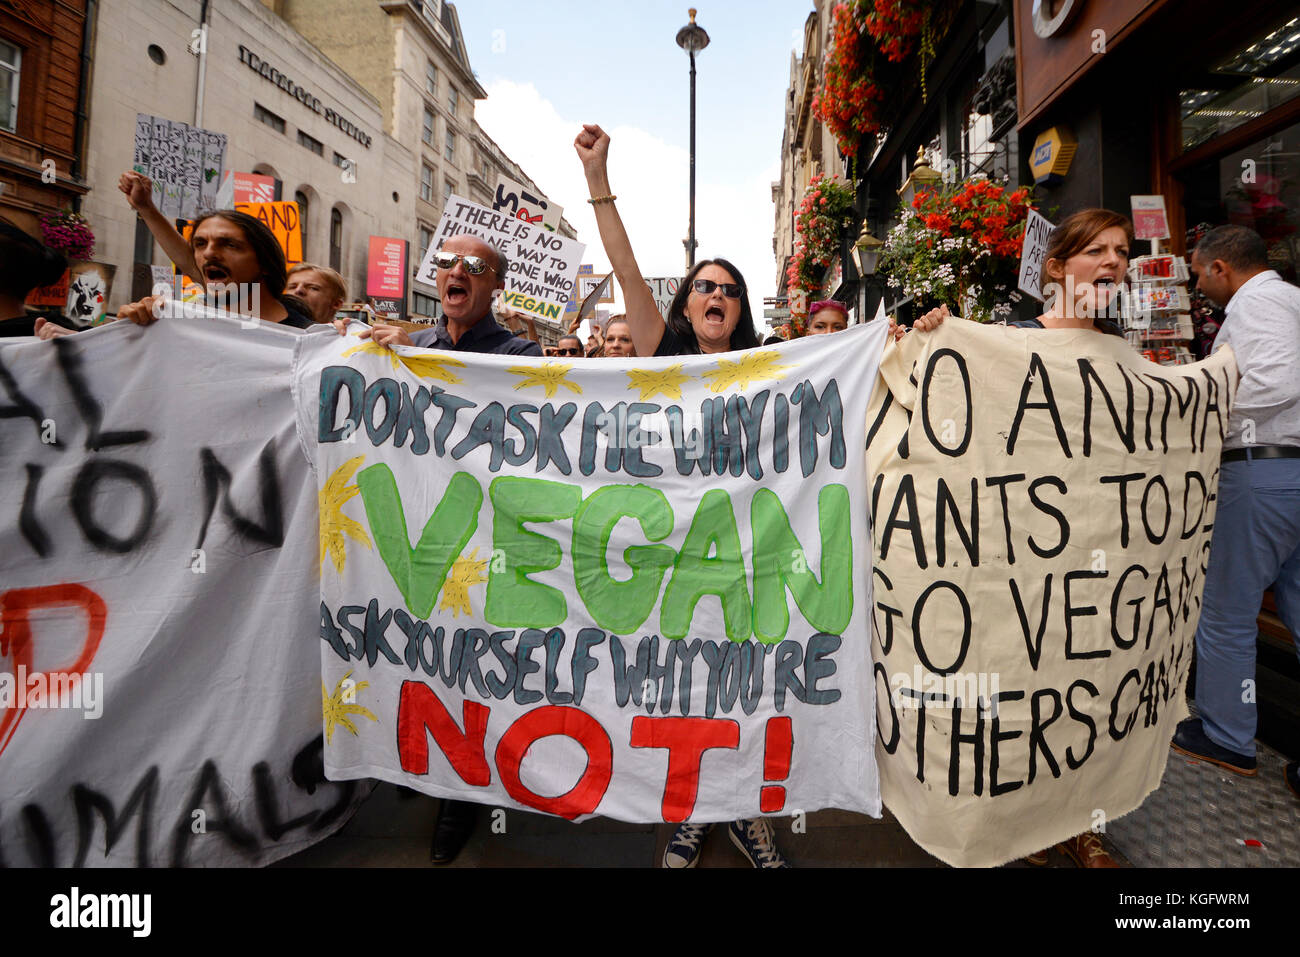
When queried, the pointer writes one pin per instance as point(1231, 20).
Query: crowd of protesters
point(1256, 544)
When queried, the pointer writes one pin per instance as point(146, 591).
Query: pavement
point(1200, 816)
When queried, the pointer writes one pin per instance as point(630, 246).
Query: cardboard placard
point(1033, 253)
point(543, 266)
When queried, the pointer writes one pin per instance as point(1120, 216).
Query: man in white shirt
point(1257, 521)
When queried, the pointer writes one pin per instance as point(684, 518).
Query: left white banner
point(160, 696)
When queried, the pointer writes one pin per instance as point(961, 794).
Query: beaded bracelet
point(596, 200)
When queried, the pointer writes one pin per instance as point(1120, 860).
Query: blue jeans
point(1256, 543)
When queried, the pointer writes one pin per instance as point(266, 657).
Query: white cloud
point(651, 179)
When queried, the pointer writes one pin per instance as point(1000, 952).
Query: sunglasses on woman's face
point(732, 290)
point(474, 265)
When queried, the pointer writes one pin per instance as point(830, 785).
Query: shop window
point(977, 146)
point(426, 305)
point(336, 240)
point(426, 183)
point(1256, 186)
point(10, 69)
point(266, 116)
point(1248, 84)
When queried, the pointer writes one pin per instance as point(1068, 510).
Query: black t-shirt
point(26, 326)
point(295, 318)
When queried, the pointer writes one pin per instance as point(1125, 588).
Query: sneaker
point(1190, 739)
point(1086, 850)
point(1292, 775)
point(755, 840)
point(683, 848)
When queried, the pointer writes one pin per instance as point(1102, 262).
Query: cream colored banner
point(1042, 502)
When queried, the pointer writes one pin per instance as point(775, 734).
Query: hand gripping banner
point(159, 703)
point(629, 587)
point(1041, 503)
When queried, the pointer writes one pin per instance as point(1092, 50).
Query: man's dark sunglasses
point(568, 351)
point(474, 265)
point(732, 290)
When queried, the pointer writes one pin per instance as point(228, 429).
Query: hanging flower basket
point(827, 209)
point(866, 36)
point(69, 233)
point(960, 246)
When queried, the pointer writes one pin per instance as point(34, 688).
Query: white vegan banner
point(629, 587)
point(1042, 504)
point(159, 700)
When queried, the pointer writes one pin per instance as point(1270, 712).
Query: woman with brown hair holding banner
point(710, 314)
point(1086, 261)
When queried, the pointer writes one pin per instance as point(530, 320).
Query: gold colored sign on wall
point(1053, 152)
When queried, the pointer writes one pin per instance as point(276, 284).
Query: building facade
point(44, 82)
point(287, 110)
point(807, 147)
point(1215, 128)
point(411, 56)
point(951, 100)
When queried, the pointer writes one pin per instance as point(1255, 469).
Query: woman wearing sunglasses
point(709, 314)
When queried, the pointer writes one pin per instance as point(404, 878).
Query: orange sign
point(283, 219)
point(52, 295)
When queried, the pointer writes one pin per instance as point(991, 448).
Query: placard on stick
point(1150, 220)
point(543, 266)
point(1033, 253)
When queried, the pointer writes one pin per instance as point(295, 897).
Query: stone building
point(411, 56)
point(807, 146)
point(361, 110)
point(288, 112)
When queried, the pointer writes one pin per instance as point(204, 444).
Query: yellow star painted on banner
point(467, 570)
point(652, 382)
point(549, 376)
point(751, 367)
point(341, 703)
point(426, 367)
point(333, 523)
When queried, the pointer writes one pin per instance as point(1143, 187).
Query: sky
point(550, 67)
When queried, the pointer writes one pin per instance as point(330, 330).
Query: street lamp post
point(692, 39)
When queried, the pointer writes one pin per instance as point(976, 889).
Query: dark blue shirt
point(486, 335)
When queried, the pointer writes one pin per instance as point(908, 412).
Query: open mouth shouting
point(215, 272)
point(455, 294)
point(715, 314)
